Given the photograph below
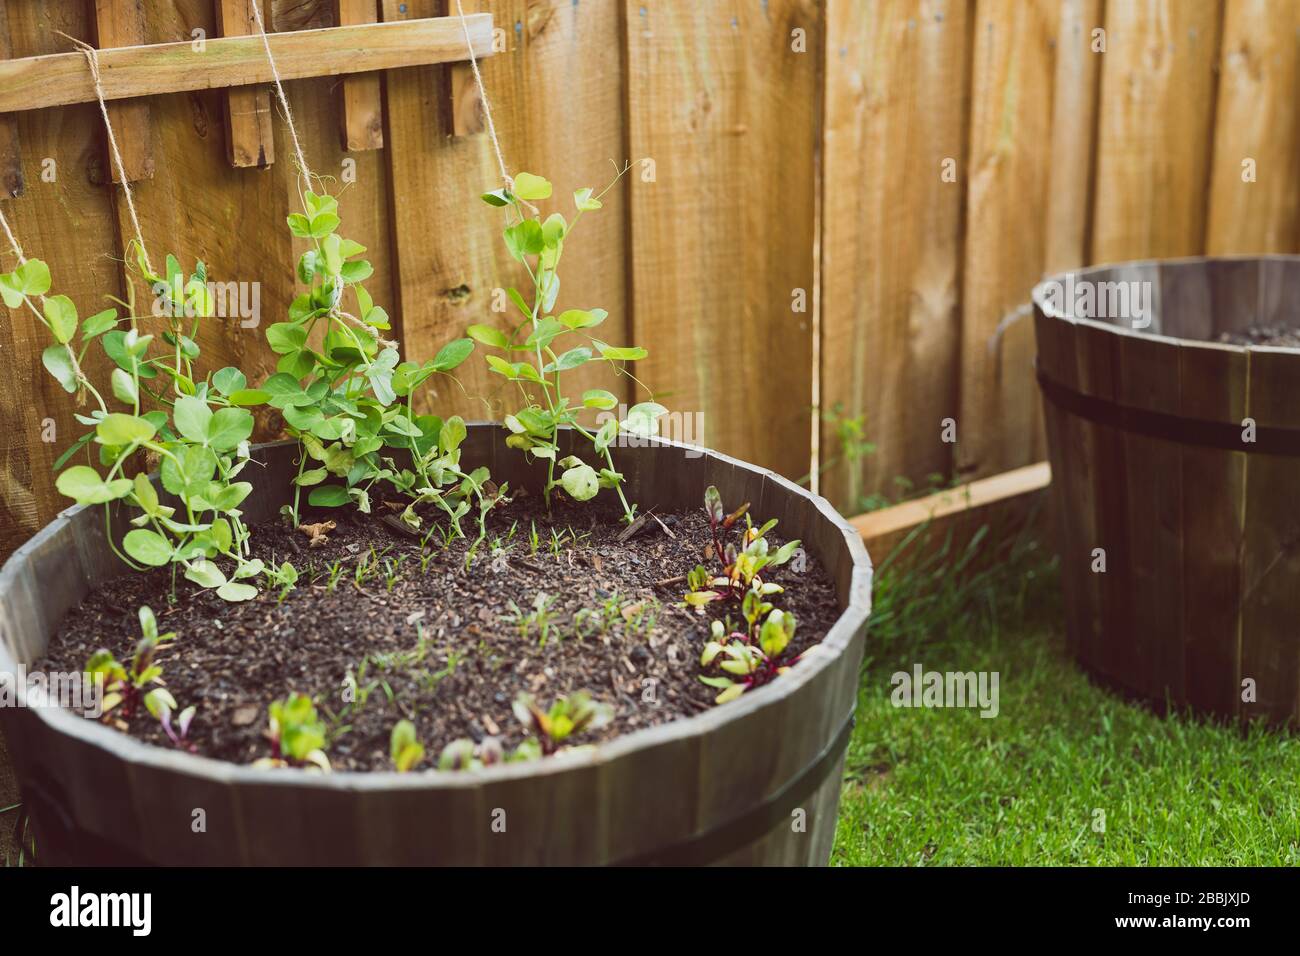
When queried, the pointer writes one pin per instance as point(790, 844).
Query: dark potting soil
point(1277, 336)
point(441, 646)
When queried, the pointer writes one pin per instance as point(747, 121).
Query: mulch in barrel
point(546, 605)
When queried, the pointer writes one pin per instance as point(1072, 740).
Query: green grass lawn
point(945, 786)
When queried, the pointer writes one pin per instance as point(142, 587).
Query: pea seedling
point(198, 430)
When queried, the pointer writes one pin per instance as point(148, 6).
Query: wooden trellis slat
point(250, 136)
point(57, 79)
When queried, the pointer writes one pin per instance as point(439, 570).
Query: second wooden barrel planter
point(753, 781)
point(1173, 423)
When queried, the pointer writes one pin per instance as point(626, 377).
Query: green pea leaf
point(228, 427)
point(488, 336)
point(123, 384)
point(235, 591)
point(58, 363)
point(583, 199)
point(598, 398)
point(452, 354)
point(84, 485)
point(62, 316)
point(147, 547)
point(617, 354)
point(192, 417)
point(452, 434)
point(328, 496)
point(570, 360)
point(285, 337)
point(205, 574)
point(581, 482)
point(32, 277)
point(98, 324)
point(529, 186)
point(229, 380)
point(497, 197)
point(120, 429)
point(581, 318)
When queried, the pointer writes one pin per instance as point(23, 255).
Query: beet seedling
point(403, 746)
point(161, 704)
point(124, 684)
point(749, 665)
point(297, 735)
point(567, 717)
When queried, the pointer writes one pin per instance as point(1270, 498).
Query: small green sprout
point(405, 749)
point(297, 735)
point(538, 620)
point(567, 717)
point(284, 577)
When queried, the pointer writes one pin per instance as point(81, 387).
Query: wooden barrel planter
point(1176, 461)
point(724, 786)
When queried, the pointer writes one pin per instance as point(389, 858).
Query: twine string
point(279, 92)
point(483, 97)
point(92, 59)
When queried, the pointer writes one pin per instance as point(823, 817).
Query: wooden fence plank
point(1074, 128)
point(554, 120)
point(11, 161)
point(1256, 122)
point(362, 124)
point(895, 106)
point(1000, 426)
point(199, 207)
point(68, 222)
point(250, 137)
point(1153, 148)
point(122, 23)
point(725, 111)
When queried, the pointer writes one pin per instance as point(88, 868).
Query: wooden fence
point(833, 204)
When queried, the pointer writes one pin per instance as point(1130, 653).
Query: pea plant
point(533, 358)
point(349, 399)
point(198, 430)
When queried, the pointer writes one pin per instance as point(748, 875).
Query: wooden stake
point(250, 136)
point(362, 116)
point(121, 23)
